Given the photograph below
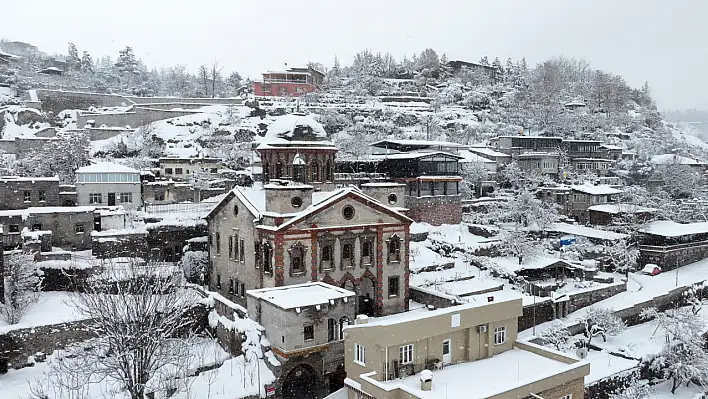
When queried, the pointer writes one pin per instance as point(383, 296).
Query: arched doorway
point(300, 383)
point(349, 285)
point(367, 297)
point(336, 379)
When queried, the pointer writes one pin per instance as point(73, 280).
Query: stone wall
point(431, 297)
point(182, 100)
point(137, 117)
point(18, 345)
point(12, 192)
point(61, 224)
point(587, 298)
point(435, 210)
point(541, 312)
point(57, 100)
point(104, 247)
point(23, 146)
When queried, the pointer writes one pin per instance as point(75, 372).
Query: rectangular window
point(241, 255)
point(218, 281)
point(360, 354)
point(499, 335)
point(393, 286)
point(231, 286)
point(126, 198)
point(14, 228)
point(95, 198)
point(405, 353)
point(79, 228)
point(168, 171)
point(568, 396)
point(28, 196)
point(309, 333)
point(455, 320)
point(231, 247)
point(37, 227)
point(178, 171)
point(214, 170)
point(218, 243)
point(42, 195)
point(243, 289)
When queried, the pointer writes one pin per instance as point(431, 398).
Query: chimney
point(362, 319)
point(426, 380)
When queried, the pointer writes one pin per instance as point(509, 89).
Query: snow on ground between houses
point(51, 308)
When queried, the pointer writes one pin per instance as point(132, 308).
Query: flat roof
point(106, 167)
point(58, 209)
point(419, 143)
point(574, 229)
point(668, 228)
point(600, 189)
point(301, 295)
point(484, 378)
point(475, 301)
point(621, 208)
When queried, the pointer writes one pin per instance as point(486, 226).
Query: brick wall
point(435, 210)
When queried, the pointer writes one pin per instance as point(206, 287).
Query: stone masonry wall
point(137, 117)
point(435, 210)
point(57, 100)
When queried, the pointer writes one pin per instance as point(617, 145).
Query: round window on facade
point(348, 212)
point(296, 202)
point(235, 210)
point(392, 199)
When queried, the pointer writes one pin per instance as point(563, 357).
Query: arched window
point(267, 265)
point(328, 171)
point(394, 249)
point(366, 252)
point(297, 259)
point(343, 321)
point(347, 255)
point(278, 170)
point(315, 170)
point(332, 329)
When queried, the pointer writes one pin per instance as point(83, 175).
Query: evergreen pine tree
point(484, 61)
point(73, 61)
point(86, 63)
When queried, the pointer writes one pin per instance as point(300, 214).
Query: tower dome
point(294, 127)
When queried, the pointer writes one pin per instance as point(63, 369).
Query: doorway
point(446, 352)
point(111, 199)
point(300, 383)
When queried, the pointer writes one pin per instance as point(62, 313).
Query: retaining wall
point(58, 100)
point(138, 117)
point(209, 101)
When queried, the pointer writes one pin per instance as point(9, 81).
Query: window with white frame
point(126, 197)
point(95, 198)
point(405, 353)
point(568, 396)
point(360, 354)
point(499, 335)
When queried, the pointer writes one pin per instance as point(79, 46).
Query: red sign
point(270, 391)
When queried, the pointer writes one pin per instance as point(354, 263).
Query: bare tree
point(558, 337)
point(22, 284)
point(602, 322)
point(214, 76)
point(135, 314)
point(203, 76)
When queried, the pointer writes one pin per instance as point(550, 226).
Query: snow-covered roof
point(576, 103)
point(670, 159)
point(475, 301)
point(611, 147)
point(412, 155)
point(428, 143)
point(8, 55)
point(6, 179)
point(621, 208)
point(301, 295)
point(106, 167)
point(600, 189)
point(592, 160)
point(589, 232)
point(490, 377)
point(539, 155)
point(288, 127)
point(58, 209)
point(487, 151)
point(383, 184)
point(668, 228)
point(53, 69)
point(469, 156)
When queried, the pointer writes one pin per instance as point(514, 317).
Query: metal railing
point(673, 247)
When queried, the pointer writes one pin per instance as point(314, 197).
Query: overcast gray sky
point(663, 42)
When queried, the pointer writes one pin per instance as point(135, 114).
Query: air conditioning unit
point(482, 328)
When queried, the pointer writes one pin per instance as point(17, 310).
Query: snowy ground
point(51, 308)
point(226, 381)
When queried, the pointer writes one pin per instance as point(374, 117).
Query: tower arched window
point(347, 255)
point(267, 261)
point(328, 171)
point(315, 171)
point(394, 249)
